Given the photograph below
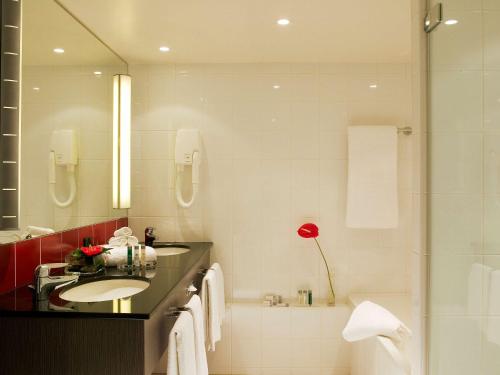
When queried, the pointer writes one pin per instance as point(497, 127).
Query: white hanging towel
point(372, 185)
point(196, 310)
point(369, 319)
point(221, 299)
point(181, 347)
point(210, 302)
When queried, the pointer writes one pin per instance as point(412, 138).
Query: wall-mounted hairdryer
point(187, 153)
point(64, 153)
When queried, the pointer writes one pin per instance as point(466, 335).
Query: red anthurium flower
point(308, 230)
point(92, 250)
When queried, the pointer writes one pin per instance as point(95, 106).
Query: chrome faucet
point(45, 284)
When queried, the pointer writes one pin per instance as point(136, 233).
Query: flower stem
point(327, 269)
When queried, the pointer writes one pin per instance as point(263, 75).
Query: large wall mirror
point(66, 122)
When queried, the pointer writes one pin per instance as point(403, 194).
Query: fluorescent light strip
point(10, 80)
point(9, 217)
point(5, 107)
point(9, 189)
point(11, 53)
point(9, 135)
point(121, 140)
point(11, 26)
point(9, 162)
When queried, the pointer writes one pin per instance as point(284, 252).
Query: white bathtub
point(380, 355)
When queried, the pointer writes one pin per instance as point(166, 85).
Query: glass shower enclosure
point(464, 189)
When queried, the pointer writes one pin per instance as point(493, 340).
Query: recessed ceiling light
point(373, 86)
point(36, 88)
point(164, 49)
point(98, 73)
point(451, 22)
point(283, 22)
point(276, 87)
point(58, 50)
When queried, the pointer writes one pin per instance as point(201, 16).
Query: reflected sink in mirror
point(171, 249)
point(104, 290)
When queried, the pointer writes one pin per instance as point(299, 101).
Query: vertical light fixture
point(121, 140)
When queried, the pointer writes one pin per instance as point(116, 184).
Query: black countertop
point(163, 279)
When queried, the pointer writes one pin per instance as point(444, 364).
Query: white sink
point(170, 250)
point(104, 290)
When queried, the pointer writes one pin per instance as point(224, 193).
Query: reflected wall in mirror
point(66, 121)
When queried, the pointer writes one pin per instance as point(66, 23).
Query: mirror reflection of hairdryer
point(64, 153)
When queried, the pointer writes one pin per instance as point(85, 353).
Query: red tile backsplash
point(122, 222)
point(84, 232)
point(27, 258)
point(111, 226)
point(99, 234)
point(19, 260)
point(51, 248)
point(69, 242)
point(7, 267)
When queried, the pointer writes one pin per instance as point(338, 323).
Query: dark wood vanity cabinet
point(69, 345)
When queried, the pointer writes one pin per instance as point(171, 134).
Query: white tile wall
point(289, 340)
point(69, 97)
point(272, 160)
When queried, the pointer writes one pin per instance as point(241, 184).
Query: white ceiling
point(47, 26)
point(246, 31)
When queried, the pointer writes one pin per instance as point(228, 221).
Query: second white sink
point(170, 250)
point(104, 290)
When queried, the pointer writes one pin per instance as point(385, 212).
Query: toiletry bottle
point(137, 261)
point(310, 297)
point(299, 297)
point(129, 256)
point(143, 256)
point(149, 236)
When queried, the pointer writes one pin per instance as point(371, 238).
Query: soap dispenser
point(149, 236)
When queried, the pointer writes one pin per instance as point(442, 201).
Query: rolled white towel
point(118, 255)
point(123, 241)
point(123, 231)
point(369, 319)
point(118, 241)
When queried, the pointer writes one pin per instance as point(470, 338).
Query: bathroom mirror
point(66, 121)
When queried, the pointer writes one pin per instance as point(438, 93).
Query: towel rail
point(407, 130)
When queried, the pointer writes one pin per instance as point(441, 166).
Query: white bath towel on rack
point(372, 184)
point(181, 347)
point(221, 299)
point(210, 302)
point(194, 307)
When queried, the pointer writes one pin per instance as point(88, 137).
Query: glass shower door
point(464, 190)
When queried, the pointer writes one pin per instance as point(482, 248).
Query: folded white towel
point(123, 231)
point(118, 255)
point(221, 301)
point(369, 319)
point(196, 310)
point(181, 347)
point(123, 241)
point(209, 300)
